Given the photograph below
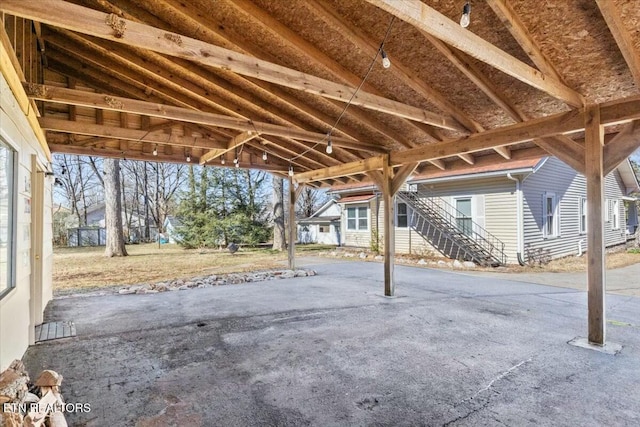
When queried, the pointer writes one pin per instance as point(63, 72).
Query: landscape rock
point(362, 255)
point(469, 264)
point(457, 264)
point(421, 261)
point(442, 263)
point(126, 291)
point(378, 257)
point(13, 382)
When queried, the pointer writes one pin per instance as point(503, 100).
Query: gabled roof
point(628, 176)
point(322, 208)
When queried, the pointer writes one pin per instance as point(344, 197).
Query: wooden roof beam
point(155, 137)
point(106, 102)
point(623, 38)
point(346, 169)
point(621, 146)
point(88, 21)
point(235, 142)
point(399, 70)
point(504, 11)
point(433, 22)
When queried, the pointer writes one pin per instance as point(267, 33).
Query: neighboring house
point(323, 226)
point(532, 208)
point(172, 229)
point(133, 227)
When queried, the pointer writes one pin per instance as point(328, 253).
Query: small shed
point(322, 227)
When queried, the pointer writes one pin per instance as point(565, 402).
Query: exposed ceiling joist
point(433, 22)
point(101, 101)
point(235, 142)
point(111, 27)
point(139, 135)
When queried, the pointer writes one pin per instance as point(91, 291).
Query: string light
point(264, 156)
point(155, 150)
point(329, 145)
point(237, 165)
point(235, 161)
point(222, 160)
point(188, 158)
point(290, 170)
point(465, 19)
point(386, 62)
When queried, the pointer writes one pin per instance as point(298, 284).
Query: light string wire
point(344, 110)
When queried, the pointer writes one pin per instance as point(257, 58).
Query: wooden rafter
point(433, 22)
point(155, 137)
point(504, 11)
point(87, 21)
point(622, 36)
point(101, 101)
point(233, 144)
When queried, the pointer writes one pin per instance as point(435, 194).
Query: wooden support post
point(292, 225)
point(389, 227)
point(594, 148)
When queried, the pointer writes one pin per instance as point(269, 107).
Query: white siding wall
point(15, 324)
point(569, 187)
point(359, 238)
point(499, 206)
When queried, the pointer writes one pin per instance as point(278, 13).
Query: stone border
point(213, 280)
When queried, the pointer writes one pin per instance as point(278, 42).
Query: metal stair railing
point(437, 220)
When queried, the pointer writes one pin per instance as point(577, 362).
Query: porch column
point(594, 173)
point(389, 228)
point(292, 224)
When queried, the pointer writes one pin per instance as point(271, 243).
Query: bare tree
point(279, 243)
point(79, 184)
point(113, 209)
point(309, 201)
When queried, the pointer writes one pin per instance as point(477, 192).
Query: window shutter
point(477, 202)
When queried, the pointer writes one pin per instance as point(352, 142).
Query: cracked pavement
point(330, 350)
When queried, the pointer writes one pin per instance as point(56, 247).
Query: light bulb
point(329, 147)
point(155, 150)
point(222, 160)
point(188, 158)
point(290, 170)
point(235, 161)
point(264, 156)
point(386, 63)
point(465, 19)
point(237, 165)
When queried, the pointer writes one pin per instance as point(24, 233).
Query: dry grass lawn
point(87, 268)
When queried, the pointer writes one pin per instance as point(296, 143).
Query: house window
point(7, 204)
point(323, 228)
point(463, 215)
point(583, 215)
point(615, 214)
point(402, 215)
point(357, 219)
point(551, 220)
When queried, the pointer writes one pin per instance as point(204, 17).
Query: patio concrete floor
point(330, 350)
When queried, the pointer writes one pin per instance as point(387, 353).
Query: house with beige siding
point(532, 210)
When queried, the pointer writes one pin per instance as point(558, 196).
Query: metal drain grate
point(55, 330)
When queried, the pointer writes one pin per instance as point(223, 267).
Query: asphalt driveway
point(330, 350)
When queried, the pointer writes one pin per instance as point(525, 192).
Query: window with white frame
point(615, 214)
point(583, 215)
point(358, 218)
point(464, 218)
point(551, 219)
point(402, 215)
point(7, 204)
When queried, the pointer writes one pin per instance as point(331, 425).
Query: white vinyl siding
point(570, 189)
